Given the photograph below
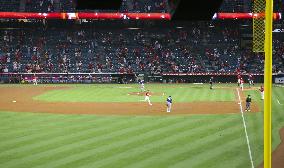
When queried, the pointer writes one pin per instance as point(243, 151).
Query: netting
point(258, 25)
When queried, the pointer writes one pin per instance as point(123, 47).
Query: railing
point(121, 16)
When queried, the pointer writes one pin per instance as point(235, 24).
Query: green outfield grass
point(31, 140)
point(119, 93)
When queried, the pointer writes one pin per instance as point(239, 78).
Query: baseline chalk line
point(245, 127)
point(279, 103)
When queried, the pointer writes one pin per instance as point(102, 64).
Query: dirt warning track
point(25, 103)
point(278, 153)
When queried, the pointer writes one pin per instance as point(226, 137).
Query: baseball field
point(108, 125)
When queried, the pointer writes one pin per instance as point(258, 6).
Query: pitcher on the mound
point(147, 97)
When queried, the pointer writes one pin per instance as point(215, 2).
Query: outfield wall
point(128, 78)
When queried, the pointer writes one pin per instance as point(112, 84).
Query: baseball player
point(239, 79)
point(34, 80)
point(147, 97)
point(248, 102)
point(250, 80)
point(261, 92)
point(242, 84)
point(169, 104)
point(142, 86)
point(211, 83)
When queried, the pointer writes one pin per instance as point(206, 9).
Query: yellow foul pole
point(268, 83)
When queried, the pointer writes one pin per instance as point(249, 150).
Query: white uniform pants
point(242, 86)
point(35, 81)
point(147, 98)
point(262, 95)
point(250, 82)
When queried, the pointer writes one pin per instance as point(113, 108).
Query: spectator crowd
point(197, 47)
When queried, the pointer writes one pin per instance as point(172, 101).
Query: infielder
point(34, 80)
point(142, 86)
point(147, 97)
point(169, 104)
point(211, 83)
point(242, 84)
point(248, 102)
point(251, 80)
point(261, 92)
point(239, 79)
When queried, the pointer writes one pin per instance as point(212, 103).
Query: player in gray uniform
point(211, 83)
point(169, 104)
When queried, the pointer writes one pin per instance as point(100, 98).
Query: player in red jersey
point(147, 97)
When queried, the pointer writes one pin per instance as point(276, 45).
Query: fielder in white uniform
point(142, 87)
point(169, 104)
point(261, 92)
point(34, 80)
point(250, 80)
point(242, 84)
point(147, 97)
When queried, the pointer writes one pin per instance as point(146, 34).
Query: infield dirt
point(25, 103)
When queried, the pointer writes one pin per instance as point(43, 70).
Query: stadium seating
point(246, 6)
point(200, 47)
point(10, 6)
point(69, 6)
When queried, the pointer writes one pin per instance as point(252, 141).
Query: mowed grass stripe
point(30, 125)
point(255, 130)
point(278, 93)
point(78, 136)
point(67, 145)
point(29, 117)
point(220, 150)
point(123, 141)
point(258, 157)
point(49, 144)
point(203, 149)
point(278, 108)
point(79, 127)
point(167, 140)
point(182, 96)
point(137, 147)
point(193, 96)
point(201, 160)
point(44, 122)
point(234, 139)
point(25, 142)
point(192, 139)
point(7, 117)
point(230, 158)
